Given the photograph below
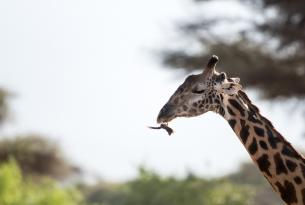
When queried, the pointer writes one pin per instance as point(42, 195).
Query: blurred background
point(81, 81)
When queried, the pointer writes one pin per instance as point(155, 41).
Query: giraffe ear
point(230, 88)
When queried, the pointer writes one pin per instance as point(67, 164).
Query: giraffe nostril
point(166, 108)
point(165, 113)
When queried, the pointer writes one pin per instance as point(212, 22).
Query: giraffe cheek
point(180, 111)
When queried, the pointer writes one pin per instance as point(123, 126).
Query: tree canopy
point(268, 52)
point(4, 108)
point(37, 156)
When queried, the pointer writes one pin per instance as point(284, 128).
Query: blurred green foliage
point(151, 189)
point(16, 190)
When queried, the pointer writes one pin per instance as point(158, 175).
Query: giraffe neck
point(280, 163)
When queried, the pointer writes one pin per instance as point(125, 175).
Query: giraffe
point(279, 162)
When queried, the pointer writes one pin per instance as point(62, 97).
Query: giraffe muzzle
point(166, 114)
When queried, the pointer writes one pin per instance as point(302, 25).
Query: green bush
point(16, 190)
point(150, 188)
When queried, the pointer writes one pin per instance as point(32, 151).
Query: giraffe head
point(199, 94)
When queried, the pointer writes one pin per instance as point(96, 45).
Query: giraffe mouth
point(164, 120)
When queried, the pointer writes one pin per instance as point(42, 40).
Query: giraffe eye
point(198, 91)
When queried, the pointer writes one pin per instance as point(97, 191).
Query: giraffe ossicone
point(279, 162)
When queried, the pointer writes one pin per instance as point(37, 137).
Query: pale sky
point(83, 75)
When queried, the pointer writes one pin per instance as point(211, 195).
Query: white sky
point(83, 75)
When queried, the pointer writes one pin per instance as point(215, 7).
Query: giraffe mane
point(254, 109)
